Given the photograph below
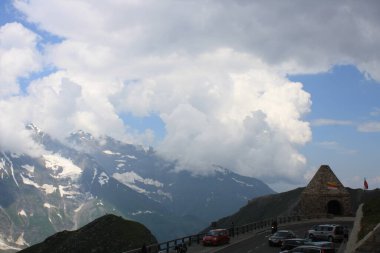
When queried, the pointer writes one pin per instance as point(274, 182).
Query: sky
point(268, 89)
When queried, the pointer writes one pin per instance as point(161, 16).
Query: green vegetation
point(371, 216)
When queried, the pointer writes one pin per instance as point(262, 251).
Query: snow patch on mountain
point(242, 183)
point(164, 194)
point(142, 212)
point(79, 208)
point(130, 178)
point(35, 128)
point(103, 178)
point(11, 167)
point(130, 157)
point(21, 241)
point(28, 181)
point(109, 152)
point(120, 165)
point(62, 167)
point(48, 206)
point(5, 246)
point(67, 193)
point(15, 155)
point(2, 164)
point(221, 170)
point(47, 188)
point(28, 167)
point(22, 213)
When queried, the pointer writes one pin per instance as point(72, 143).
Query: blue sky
point(205, 83)
point(346, 96)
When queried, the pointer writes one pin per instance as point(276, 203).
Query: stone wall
point(324, 195)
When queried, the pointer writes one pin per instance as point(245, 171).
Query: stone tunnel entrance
point(334, 207)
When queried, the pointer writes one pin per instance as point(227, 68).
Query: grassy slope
point(263, 208)
point(371, 213)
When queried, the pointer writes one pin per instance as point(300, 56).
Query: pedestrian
point(144, 249)
point(274, 226)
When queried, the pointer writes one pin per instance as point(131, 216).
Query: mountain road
point(258, 241)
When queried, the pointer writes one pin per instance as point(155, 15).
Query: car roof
point(296, 239)
point(321, 243)
point(308, 247)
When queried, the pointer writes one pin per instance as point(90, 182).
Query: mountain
point(82, 178)
point(263, 208)
point(284, 204)
point(107, 234)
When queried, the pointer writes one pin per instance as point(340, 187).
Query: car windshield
point(213, 233)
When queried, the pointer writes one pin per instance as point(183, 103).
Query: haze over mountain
point(74, 182)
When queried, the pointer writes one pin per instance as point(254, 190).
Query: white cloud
point(369, 127)
point(298, 45)
point(331, 122)
point(375, 112)
point(215, 72)
point(337, 147)
point(18, 56)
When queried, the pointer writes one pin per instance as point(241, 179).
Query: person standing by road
point(144, 249)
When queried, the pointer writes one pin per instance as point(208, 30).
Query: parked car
point(310, 249)
point(289, 244)
point(277, 238)
point(329, 232)
point(216, 237)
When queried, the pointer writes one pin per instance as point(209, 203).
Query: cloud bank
point(215, 72)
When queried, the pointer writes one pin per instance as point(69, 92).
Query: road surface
point(258, 242)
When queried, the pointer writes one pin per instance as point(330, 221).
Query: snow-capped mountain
point(84, 178)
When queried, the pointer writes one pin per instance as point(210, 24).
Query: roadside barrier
point(166, 247)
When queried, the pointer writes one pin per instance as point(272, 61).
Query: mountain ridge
point(68, 187)
point(106, 234)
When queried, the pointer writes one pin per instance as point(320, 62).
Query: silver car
point(329, 232)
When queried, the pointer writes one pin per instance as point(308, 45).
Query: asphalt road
point(259, 242)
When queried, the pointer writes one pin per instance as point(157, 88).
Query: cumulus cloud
point(215, 72)
point(18, 56)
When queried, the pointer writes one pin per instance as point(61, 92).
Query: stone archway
point(334, 207)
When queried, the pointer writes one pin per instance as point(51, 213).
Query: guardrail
point(233, 231)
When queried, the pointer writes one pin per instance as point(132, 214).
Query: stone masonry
point(325, 195)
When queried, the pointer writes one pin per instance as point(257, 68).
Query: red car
point(216, 237)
